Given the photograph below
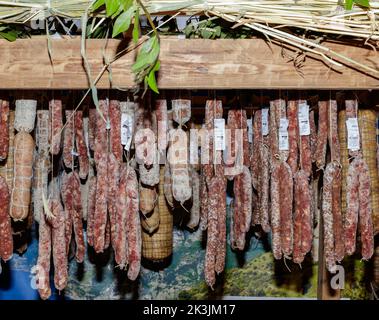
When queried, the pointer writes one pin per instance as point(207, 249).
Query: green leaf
point(136, 26)
point(123, 21)
point(112, 6)
point(206, 34)
point(146, 59)
point(126, 4)
point(362, 3)
point(98, 4)
point(152, 82)
point(9, 35)
point(348, 4)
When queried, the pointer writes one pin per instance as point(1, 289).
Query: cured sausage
point(4, 129)
point(293, 135)
point(81, 146)
point(121, 248)
point(55, 110)
point(322, 137)
point(23, 172)
point(133, 226)
point(112, 184)
point(327, 217)
point(68, 139)
point(115, 132)
point(6, 240)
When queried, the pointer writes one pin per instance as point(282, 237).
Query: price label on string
point(353, 142)
point(283, 135)
point(219, 134)
point(265, 129)
point(303, 117)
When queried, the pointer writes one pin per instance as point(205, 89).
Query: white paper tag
point(219, 134)
point(303, 116)
point(126, 130)
point(265, 129)
point(352, 134)
point(283, 135)
point(250, 130)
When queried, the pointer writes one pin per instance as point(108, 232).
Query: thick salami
point(23, 172)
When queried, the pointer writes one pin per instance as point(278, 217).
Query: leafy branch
point(126, 13)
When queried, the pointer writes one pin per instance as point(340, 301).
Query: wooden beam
point(186, 64)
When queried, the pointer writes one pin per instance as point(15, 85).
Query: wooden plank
point(187, 64)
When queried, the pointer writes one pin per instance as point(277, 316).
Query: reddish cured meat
point(68, 139)
point(107, 237)
point(42, 269)
point(133, 225)
point(352, 210)
point(322, 137)
point(213, 110)
point(365, 212)
point(55, 108)
point(264, 185)
point(302, 242)
point(121, 247)
point(101, 143)
point(4, 129)
point(73, 212)
point(91, 209)
point(221, 218)
point(112, 184)
point(100, 218)
point(286, 219)
point(327, 217)
point(293, 135)
point(231, 146)
point(275, 212)
point(255, 165)
point(6, 239)
point(334, 143)
point(59, 244)
point(339, 245)
point(77, 218)
point(81, 146)
point(115, 132)
point(212, 238)
point(203, 204)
